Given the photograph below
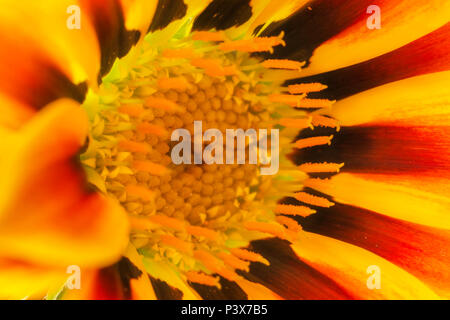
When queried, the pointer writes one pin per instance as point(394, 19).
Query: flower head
point(355, 120)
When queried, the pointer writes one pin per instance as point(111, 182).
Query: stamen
point(213, 67)
point(150, 167)
point(313, 200)
point(291, 224)
point(202, 278)
point(203, 232)
point(266, 227)
point(176, 243)
point(133, 146)
point(141, 192)
point(288, 99)
point(248, 255)
point(161, 103)
point(185, 53)
point(271, 41)
point(320, 167)
point(296, 123)
point(315, 103)
point(167, 222)
point(313, 142)
point(306, 88)
point(234, 262)
point(178, 83)
point(294, 210)
point(148, 128)
point(246, 46)
point(315, 183)
point(209, 36)
point(213, 264)
point(283, 64)
point(140, 223)
point(322, 121)
point(134, 110)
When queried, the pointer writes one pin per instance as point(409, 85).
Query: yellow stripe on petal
point(348, 264)
point(141, 288)
point(46, 26)
point(402, 22)
point(138, 14)
point(418, 101)
point(395, 201)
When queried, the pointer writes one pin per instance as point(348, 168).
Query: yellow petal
point(401, 23)
point(347, 265)
point(399, 202)
point(418, 101)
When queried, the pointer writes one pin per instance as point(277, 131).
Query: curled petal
point(47, 216)
point(75, 51)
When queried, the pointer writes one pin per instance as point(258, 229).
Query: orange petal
point(420, 250)
point(417, 101)
point(396, 201)
point(348, 265)
point(290, 278)
point(46, 214)
point(428, 54)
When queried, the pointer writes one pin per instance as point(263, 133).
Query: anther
point(282, 64)
point(209, 36)
point(294, 210)
point(320, 167)
point(306, 88)
point(313, 142)
point(302, 123)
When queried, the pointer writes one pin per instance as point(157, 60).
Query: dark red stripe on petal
point(384, 150)
point(428, 54)
point(108, 285)
point(314, 24)
point(288, 276)
point(166, 12)
point(33, 80)
point(164, 291)
point(420, 250)
point(228, 291)
point(224, 14)
point(108, 20)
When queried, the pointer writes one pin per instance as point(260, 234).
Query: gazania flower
point(87, 179)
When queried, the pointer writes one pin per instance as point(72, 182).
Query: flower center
point(199, 216)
